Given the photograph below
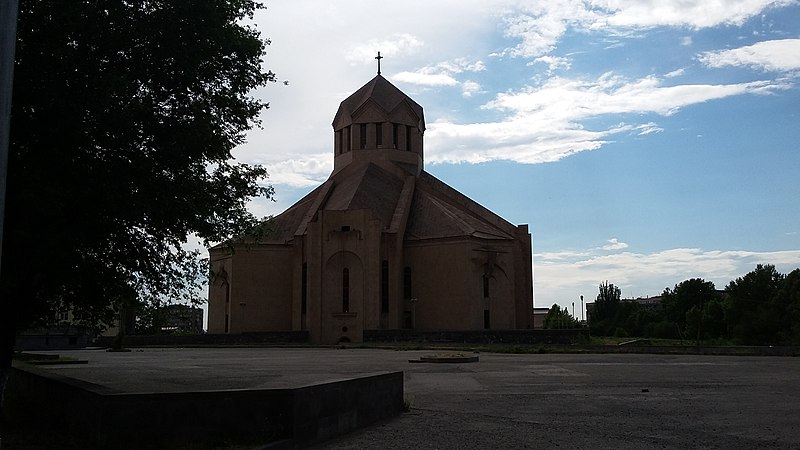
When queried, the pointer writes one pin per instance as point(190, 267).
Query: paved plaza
point(504, 400)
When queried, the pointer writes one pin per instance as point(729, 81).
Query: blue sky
point(644, 142)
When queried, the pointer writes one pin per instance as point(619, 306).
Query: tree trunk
point(8, 336)
point(8, 39)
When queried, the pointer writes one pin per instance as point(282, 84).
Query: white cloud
point(543, 124)
point(426, 79)
point(773, 56)
point(305, 171)
point(554, 63)
point(565, 255)
point(469, 88)
point(675, 73)
point(647, 128)
point(613, 94)
point(395, 45)
point(444, 74)
point(539, 26)
point(441, 74)
point(683, 13)
point(614, 244)
point(563, 277)
point(614, 44)
point(686, 41)
point(459, 65)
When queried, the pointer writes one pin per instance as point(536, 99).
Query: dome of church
point(396, 106)
point(379, 122)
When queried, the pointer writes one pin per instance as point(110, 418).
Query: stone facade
point(380, 245)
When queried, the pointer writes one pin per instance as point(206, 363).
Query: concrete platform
point(503, 401)
point(170, 399)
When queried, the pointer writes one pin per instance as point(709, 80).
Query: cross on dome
point(379, 58)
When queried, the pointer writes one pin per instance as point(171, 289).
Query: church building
point(380, 245)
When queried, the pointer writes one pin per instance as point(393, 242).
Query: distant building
point(538, 317)
point(57, 337)
point(181, 319)
point(61, 333)
point(647, 302)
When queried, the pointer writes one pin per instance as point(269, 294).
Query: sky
point(644, 142)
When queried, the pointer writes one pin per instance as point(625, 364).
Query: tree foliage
point(695, 308)
point(788, 300)
point(759, 308)
point(558, 318)
point(123, 122)
point(756, 308)
point(607, 310)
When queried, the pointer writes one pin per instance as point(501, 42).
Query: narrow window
point(486, 323)
point(394, 135)
point(227, 287)
point(363, 136)
point(304, 290)
point(385, 286)
point(485, 286)
point(408, 138)
point(378, 134)
point(407, 283)
point(346, 290)
point(346, 140)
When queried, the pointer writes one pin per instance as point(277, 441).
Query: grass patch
point(614, 340)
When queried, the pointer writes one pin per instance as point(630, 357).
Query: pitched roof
point(433, 217)
point(370, 187)
point(437, 210)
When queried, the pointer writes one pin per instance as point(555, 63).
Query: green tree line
point(759, 308)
